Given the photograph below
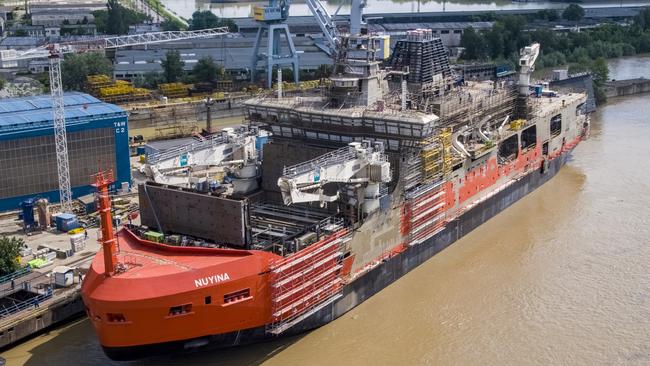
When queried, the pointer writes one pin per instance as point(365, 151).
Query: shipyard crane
point(337, 43)
point(231, 148)
point(359, 162)
point(272, 19)
point(55, 51)
point(326, 23)
point(527, 60)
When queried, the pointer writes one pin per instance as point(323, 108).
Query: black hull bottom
point(369, 283)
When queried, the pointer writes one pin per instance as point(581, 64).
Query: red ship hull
point(170, 293)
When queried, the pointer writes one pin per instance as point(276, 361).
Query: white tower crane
point(527, 60)
point(55, 52)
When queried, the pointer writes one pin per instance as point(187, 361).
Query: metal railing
point(16, 274)
point(177, 151)
point(333, 157)
point(26, 304)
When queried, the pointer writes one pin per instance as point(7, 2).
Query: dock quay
point(619, 88)
point(33, 299)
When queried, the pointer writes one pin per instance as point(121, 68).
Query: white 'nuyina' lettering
point(211, 280)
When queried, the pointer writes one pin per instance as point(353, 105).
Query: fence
point(12, 276)
point(22, 305)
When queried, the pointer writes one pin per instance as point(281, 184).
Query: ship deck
point(142, 258)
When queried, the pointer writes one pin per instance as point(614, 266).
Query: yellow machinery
point(118, 91)
point(517, 124)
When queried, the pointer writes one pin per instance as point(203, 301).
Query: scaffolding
point(424, 55)
point(307, 281)
point(432, 162)
point(424, 213)
point(174, 90)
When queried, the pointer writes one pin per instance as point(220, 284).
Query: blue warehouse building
point(97, 135)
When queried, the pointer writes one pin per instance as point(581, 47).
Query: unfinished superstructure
point(356, 187)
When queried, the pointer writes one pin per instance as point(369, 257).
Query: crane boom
point(325, 22)
point(55, 52)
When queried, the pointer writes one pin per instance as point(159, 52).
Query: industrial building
point(233, 52)
point(97, 135)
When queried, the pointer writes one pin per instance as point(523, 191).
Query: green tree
point(172, 66)
point(2, 84)
point(203, 20)
point(642, 20)
point(170, 25)
point(115, 22)
point(600, 71)
point(149, 80)
point(207, 71)
point(573, 12)
point(494, 40)
point(117, 19)
point(548, 14)
point(473, 43)
point(76, 68)
point(9, 251)
point(323, 71)
point(206, 19)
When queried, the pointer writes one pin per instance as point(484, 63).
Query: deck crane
point(359, 162)
point(55, 51)
point(232, 148)
point(527, 60)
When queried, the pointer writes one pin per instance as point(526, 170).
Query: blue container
point(140, 150)
point(259, 143)
point(66, 222)
point(538, 90)
point(28, 212)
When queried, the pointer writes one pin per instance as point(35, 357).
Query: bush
point(573, 12)
point(9, 252)
point(77, 67)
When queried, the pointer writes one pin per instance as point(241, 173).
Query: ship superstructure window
point(180, 309)
point(556, 125)
point(509, 149)
point(529, 137)
point(237, 296)
point(208, 300)
point(115, 317)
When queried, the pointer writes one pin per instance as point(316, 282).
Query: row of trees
point(579, 50)
point(77, 67)
point(573, 12)
point(510, 33)
point(201, 20)
point(205, 71)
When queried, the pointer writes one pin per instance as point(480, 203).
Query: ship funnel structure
point(101, 181)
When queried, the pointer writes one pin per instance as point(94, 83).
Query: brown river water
point(562, 277)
